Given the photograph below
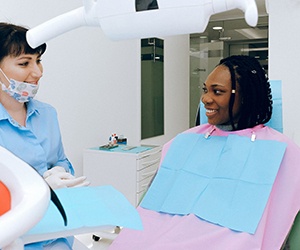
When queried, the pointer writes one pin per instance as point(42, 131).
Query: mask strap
point(4, 76)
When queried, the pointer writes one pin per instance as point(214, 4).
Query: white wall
point(176, 88)
point(284, 52)
point(94, 83)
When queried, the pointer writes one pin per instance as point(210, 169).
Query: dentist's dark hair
point(13, 41)
point(254, 90)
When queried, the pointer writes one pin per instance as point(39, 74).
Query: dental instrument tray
point(108, 146)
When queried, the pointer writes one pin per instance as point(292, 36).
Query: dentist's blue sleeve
point(39, 143)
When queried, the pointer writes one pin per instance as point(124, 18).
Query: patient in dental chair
point(232, 183)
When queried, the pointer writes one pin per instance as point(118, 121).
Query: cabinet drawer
point(139, 197)
point(150, 159)
point(143, 184)
point(147, 172)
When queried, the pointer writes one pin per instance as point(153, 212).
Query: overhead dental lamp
point(128, 19)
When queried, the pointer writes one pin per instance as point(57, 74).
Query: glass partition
point(219, 40)
point(152, 87)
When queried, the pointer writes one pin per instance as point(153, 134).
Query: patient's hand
point(57, 177)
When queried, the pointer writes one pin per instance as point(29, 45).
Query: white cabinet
point(129, 171)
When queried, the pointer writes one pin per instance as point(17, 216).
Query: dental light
point(128, 19)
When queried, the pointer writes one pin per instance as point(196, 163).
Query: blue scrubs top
point(39, 143)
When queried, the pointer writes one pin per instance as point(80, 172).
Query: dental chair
point(293, 240)
point(27, 215)
point(25, 197)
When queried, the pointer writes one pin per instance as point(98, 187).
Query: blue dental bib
point(223, 180)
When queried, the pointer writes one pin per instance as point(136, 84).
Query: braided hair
point(254, 89)
point(13, 41)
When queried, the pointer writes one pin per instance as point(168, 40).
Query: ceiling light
point(254, 49)
point(217, 28)
point(253, 33)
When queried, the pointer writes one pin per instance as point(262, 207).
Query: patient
point(233, 183)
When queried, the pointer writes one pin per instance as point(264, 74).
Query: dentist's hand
point(57, 177)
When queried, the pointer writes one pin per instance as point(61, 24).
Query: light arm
point(120, 20)
point(55, 27)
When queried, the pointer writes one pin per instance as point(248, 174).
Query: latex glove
point(57, 177)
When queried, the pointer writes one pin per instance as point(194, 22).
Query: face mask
point(20, 91)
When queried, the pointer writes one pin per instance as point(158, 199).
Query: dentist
point(29, 128)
